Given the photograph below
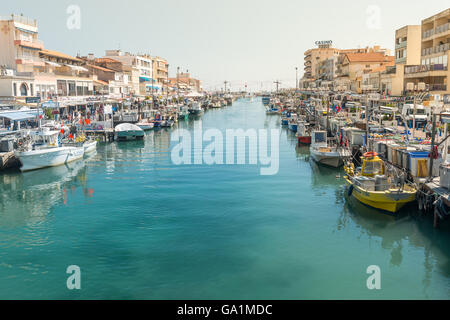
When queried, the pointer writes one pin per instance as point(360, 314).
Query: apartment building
point(435, 49)
point(144, 66)
point(19, 44)
point(354, 66)
point(407, 52)
point(160, 72)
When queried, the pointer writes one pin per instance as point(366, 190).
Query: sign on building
point(32, 99)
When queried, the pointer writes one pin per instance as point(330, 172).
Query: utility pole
point(277, 83)
point(296, 78)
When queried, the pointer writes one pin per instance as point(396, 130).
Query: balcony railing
point(437, 87)
point(401, 45)
point(428, 33)
point(432, 50)
point(442, 28)
point(425, 68)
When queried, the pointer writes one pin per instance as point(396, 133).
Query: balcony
point(442, 28)
point(33, 60)
point(427, 33)
point(35, 44)
point(437, 87)
point(400, 60)
point(437, 49)
point(401, 45)
point(420, 71)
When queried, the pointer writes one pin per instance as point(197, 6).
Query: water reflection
point(394, 231)
point(27, 198)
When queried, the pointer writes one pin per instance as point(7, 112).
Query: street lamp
point(296, 78)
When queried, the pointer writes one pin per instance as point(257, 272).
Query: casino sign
point(324, 43)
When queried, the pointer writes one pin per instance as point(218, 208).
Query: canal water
point(140, 227)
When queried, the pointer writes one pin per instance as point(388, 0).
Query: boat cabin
point(372, 165)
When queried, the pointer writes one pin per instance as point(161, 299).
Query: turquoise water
point(140, 227)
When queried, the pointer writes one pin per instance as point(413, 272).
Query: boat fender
point(350, 191)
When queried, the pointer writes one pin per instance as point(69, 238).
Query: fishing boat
point(285, 118)
point(128, 131)
point(372, 185)
point(89, 146)
point(145, 125)
point(325, 154)
point(43, 150)
point(266, 100)
point(273, 109)
point(195, 109)
point(293, 123)
point(303, 133)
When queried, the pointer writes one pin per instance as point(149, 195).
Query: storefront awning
point(20, 115)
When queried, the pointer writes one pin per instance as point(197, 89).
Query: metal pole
point(414, 117)
point(367, 120)
point(433, 134)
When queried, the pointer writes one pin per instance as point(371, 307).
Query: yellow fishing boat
point(373, 187)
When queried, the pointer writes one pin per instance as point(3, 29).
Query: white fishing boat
point(195, 108)
point(90, 146)
point(145, 125)
point(43, 150)
point(128, 131)
point(324, 154)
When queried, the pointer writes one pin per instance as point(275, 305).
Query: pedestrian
point(428, 129)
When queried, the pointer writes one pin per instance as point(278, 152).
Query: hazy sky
point(241, 41)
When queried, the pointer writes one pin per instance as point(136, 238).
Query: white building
point(19, 44)
point(143, 64)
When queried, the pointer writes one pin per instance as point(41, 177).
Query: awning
point(145, 79)
point(54, 64)
point(20, 116)
point(50, 105)
point(77, 68)
point(25, 30)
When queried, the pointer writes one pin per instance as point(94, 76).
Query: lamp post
point(296, 78)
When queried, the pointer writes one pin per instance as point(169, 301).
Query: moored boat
point(128, 131)
point(324, 154)
point(373, 187)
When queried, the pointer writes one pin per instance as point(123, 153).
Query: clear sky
point(241, 41)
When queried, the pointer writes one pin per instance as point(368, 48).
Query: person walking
point(428, 129)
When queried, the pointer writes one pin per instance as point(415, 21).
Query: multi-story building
point(184, 83)
point(142, 63)
point(160, 72)
point(407, 52)
point(435, 48)
point(322, 64)
point(354, 65)
point(19, 44)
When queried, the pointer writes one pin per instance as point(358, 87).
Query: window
point(23, 90)
point(72, 89)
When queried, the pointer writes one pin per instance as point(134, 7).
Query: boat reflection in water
point(27, 198)
point(393, 233)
